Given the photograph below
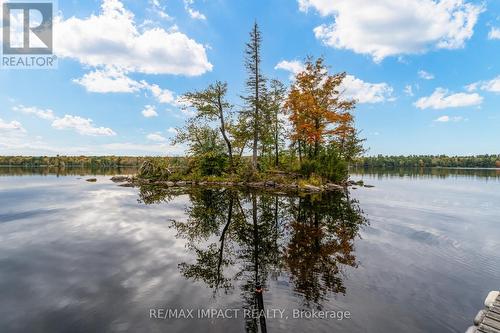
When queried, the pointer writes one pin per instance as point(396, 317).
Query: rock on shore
point(120, 179)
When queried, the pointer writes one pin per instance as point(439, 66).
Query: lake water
point(416, 253)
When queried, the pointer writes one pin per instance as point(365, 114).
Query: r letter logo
point(28, 35)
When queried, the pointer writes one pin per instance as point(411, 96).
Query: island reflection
point(241, 239)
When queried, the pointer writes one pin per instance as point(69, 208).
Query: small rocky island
point(267, 185)
point(294, 139)
point(297, 138)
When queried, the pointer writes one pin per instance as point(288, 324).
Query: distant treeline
point(71, 161)
point(380, 161)
point(429, 161)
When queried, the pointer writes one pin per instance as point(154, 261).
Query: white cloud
point(112, 80)
point(442, 99)
point(446, 119)
point(408, 90)
point(194, 14)
point(494, 33)
point(163, 96)
point(472, 87)
point(365, 92)
point(352, 87)
point(157, 137)
point(172, 130)
point(149, 111)
point(11, 145)
point(160, 10)
point(13, 126)
point(293, 66)
point(164, 15)
point(109, 80)
point(28, 146)
point(124, 148)
point(382, 28)
point(40, 113)
point(112, 38)
point(16, 146)
point(425, 75)
point(443, 119)
point(491, 85)
point(82, 126)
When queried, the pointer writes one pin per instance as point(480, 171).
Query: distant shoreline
point(424, 167)
point(137, 166)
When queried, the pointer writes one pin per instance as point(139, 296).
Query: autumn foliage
point(318, 112)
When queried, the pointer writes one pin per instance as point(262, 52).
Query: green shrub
point(155, 168)
point(308, 167)
point(328, 165)
point(212, 163)
point(333, 167)
point(246, 172)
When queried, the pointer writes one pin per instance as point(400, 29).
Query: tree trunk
point(222, 239)
point(300, 152)
point(316, 141)
point(224, 135)
point(255, 237)
point(276, 143)
point(256, 106)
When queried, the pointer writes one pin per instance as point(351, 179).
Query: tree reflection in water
point(246, 238)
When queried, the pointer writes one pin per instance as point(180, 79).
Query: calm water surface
point(416, 253)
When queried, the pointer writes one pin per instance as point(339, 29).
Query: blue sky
point(426, 73)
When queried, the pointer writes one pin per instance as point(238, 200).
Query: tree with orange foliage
point(318, 112)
